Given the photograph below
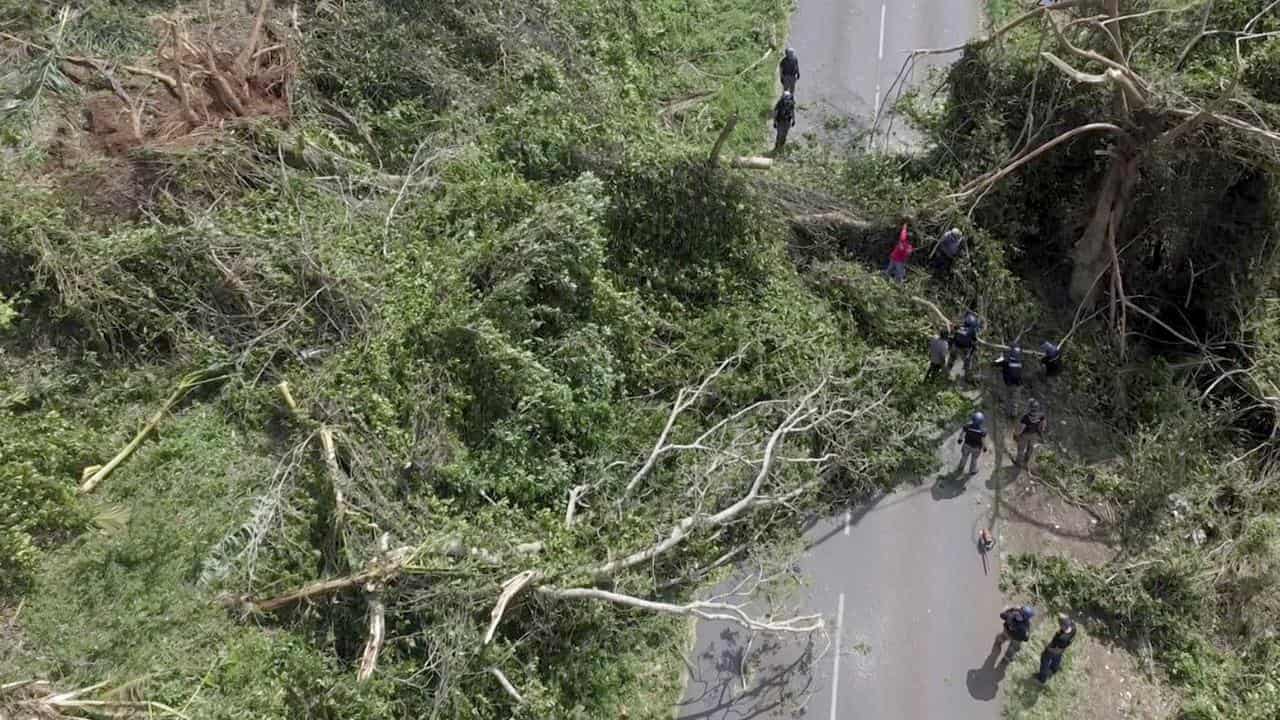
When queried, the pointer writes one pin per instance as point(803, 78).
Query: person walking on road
point(973, 442)
point(784, 117)
point(789, 70)
point(965, 341)
point(1017, 629)
point(900, 254)
point(1029, 433)
point(939, 352)
point(948, 249)
point(1010, 364)
point(1051, 658)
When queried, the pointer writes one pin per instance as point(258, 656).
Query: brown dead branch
point(255, 34)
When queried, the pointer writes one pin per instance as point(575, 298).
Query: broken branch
point(96, 474)
point(714, 611)
point(510, 589)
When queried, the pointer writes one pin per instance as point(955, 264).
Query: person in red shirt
point(900, 254)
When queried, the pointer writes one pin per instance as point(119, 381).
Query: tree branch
point(994, 177)
point(715, 611)
point(510, 589)
point(506, 685)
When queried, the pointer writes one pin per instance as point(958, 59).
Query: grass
point(999, 10)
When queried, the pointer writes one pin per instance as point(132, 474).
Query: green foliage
point(41, 453)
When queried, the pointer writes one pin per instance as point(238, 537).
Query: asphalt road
point(851, 50)
point(911, 613)
point(911, 608)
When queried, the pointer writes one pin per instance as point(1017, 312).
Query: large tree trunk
point(1092, 252)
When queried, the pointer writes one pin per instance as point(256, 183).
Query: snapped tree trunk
point(1091, 254)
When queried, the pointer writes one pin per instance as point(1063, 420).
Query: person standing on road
point(949, 248)
point(1010, 364)
point(939, 350)
point(973, 441)
point(1051, 658)
point(900, 254)
point(1030, 432)
point(789, 70)
point(965, 340)
point(784, 116)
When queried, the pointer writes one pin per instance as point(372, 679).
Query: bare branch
point(571, 511)
point(725, 612)
point(685, 399)
point(995, 176)
point(510, 589)
point(382, 569)
point(377, 623)
point(506, 685)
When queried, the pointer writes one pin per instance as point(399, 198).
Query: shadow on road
point(984, 682)
point(724, 695)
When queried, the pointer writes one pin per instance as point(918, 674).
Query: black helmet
point(978, 419)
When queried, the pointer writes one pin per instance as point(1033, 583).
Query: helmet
point(1015, 350)
point(1048, 348)
point(1028, 612)
point(791, 52)
point(786, 93)
point(955, 230)
point(1033, 405)
point(970, 319)
point(978, 419)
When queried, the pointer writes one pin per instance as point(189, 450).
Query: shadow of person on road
point(984, 682)
point(950, 486)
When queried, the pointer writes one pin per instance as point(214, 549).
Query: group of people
point(1017, 630)
point(944, 254)
point(784, 111)
point(944, 350)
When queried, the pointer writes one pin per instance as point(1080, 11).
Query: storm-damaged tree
point(709, 493)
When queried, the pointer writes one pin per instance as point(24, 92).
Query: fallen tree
point(753, 464)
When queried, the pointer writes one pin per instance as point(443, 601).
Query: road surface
point(851, 50)
point(911, 614)
point(911, 608)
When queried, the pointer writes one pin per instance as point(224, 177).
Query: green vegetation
point(484, 255)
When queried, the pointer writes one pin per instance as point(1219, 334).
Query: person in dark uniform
point(1017, 629)
point(789, 70)
point(1010, 364)
point(1051, 658)
point(973, 441)
point(1052, 358)
point(939, 350)
point(784, 116)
